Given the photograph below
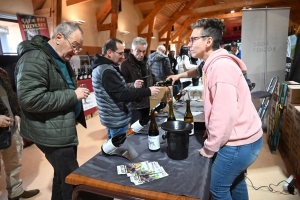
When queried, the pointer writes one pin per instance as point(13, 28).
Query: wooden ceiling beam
point(226, 6)
point(158, 6)
point(188, 22)
point(73, 2)
point(114, 18)
point(187, 35)
point(150, 34)
point(45, 12)
point(38, 4)
point(140, 2)
point(103, 13)
point(175, 17)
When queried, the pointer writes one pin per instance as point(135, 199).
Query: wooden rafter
point(140, 2)
point(175, 17)
point(45, 12)
point(56, 6)
point(114, 18)
point(158, 6)
point(38, 4)
point(226, 6)
point(149, 39)
point(72, 2)
point(103, 13)
point(188, 22)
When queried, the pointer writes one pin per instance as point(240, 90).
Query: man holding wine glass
point(113, 96)
point(50, 100)
point(234, 133)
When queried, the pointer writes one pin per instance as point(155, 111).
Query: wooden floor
point(37, 172)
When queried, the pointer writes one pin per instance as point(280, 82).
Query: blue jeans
point(227, 174)
point(112, 132)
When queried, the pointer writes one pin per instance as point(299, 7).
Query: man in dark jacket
point(160, 63)
point(173, 61)
point(134, 68)
point(50, 100)
point(112, 94)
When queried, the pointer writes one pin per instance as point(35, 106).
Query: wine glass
point(83, 86)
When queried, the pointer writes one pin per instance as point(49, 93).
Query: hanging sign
point(31, 25)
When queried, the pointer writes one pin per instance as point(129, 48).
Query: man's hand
point(82, 93)
point(154, 90)
point(6, 121)
point(18, 119)
point(138, 83)
point(174, 78)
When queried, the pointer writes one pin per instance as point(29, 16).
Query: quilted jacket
point(47, 103)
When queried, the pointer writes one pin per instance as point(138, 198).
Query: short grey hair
point(66, 28)
point(138, 40)
point(162, 48)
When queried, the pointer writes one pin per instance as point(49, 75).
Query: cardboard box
point(278, 86)
point(296, 114)
point(288, 125)
point(161, 96)
point(293, 95)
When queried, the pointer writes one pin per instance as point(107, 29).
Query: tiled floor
point(37, 172)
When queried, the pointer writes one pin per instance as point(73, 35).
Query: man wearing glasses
point(50, 100)
point(136, 68)
point(112, 94)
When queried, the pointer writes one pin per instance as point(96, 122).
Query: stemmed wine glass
point(83, 86)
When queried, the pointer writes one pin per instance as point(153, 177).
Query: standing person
point(184, 64)
point(12, 156)
point(134, 68)
point(160, 63)
point(112, 94)
point(233, 125)
point(235, 50)
point(173, 61)
point(50, 100)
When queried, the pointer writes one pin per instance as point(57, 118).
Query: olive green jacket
point(47, 103)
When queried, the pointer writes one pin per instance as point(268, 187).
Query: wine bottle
point(79, 74)
point(153, 134)
point(84, 75)
point(164, 83)
point(113, 143)
point(139, 124)
point(171, 116)
point(188, 116)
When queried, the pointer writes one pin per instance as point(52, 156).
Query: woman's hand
point(6, 121)
point(173, 77)
point(203, 153)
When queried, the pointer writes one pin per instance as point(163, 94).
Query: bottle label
point(136, 126)
point(108, 147)
point(192, 130)
point(153, 142)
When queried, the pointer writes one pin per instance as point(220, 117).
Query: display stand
point(89, 86)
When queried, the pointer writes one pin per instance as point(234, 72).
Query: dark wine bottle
point(171, 116)
point(79, 74)
point(188, 116)
point(153, 134)
point(84, 74)
point(113, 143)
point(164, 83)
point(139, 124)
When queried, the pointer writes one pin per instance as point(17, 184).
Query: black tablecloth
point(189, 177)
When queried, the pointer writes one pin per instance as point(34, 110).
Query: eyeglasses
point(120, 53)
point(74, 47)
point(193, 39)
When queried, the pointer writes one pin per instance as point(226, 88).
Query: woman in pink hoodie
point(234, 134)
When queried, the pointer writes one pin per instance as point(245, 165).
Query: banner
point(264, 44)
point(31, 25)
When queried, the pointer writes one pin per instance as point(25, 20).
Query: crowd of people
point(48, 103)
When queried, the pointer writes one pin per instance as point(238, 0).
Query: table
point(188, 179)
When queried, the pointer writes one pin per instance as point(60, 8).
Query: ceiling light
point(125, 32)
point(79, 21)
point(232, 11)
point(153, 37)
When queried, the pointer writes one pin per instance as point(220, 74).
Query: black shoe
point(26, 194)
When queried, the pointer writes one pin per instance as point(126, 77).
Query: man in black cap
point(235, 49)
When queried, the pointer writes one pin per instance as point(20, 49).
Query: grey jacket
point(160, 65)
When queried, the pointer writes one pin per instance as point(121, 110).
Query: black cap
point(234, 44)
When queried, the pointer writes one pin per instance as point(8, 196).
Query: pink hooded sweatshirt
point(230, 116)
